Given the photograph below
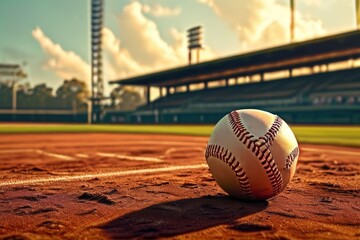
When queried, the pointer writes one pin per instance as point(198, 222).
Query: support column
point(147, 94)
point(161, 92)
point(167, 91)
point(189, 56)
point(311, 70)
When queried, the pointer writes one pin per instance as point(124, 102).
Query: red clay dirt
point(122, 186)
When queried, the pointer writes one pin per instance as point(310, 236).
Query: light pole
point(74, 90)
point(18, 74)
point(292, 20)
point(14, 90)
point(357, 13)
point(97, 85)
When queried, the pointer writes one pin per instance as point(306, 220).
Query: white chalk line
point(39, 151)
point(172, 150)
point(47, 180)
point(59, 156)
point(126, 157)
point(16, 150)
point(330, 151)
point(81, 155)
point(134, 143)
point(103, 154)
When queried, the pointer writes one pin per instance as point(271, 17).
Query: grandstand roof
point(307, 53)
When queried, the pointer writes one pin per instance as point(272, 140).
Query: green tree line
point(71, 95)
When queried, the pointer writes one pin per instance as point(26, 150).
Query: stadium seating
point(323, 97)
point(340, 86)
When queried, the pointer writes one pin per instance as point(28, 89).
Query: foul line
point(99, 175)
point(172, 150)
point(131, 142)
point(16, 150)
point(60, 156)
point(81, 155)
point(55, 155)
point(330, 151)
point(125, 157)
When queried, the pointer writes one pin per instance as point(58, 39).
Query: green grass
point(197, 130)
point(335, 135)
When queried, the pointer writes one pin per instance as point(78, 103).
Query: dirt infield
point(122, 186)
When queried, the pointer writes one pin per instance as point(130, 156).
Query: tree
point(72, 94)
point(41, 95)
point(5, 95)
point(126, 98)
point(25, 97)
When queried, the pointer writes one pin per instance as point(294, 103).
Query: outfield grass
point(201, 130)
point(336, 135)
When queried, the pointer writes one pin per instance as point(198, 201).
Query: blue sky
point(140, 36)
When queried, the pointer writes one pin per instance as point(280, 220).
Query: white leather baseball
point(252, 154)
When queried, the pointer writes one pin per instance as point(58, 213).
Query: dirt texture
point(132, 186)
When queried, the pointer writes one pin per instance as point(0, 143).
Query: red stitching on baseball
point(292, 156)
point(260, 147)
point(225, 155)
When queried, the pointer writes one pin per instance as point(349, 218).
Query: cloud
point(160, 11)
point(142, 38)
point(65, 64)
point(139, 49)
point(314, 3)
point(118, 61)
point(264, 23)
point(142, 49)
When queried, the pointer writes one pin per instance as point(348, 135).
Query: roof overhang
point(307, 53)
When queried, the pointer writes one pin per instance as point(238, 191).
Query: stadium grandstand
point(310, 82)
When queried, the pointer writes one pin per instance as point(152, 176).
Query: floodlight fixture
point(195, 41)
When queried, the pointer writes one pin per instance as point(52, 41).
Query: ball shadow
point(179, 217)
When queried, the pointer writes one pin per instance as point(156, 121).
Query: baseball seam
point(260, 147)
point(227, 157)
point(292, 156)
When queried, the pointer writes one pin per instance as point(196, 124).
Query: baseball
point(252, 154)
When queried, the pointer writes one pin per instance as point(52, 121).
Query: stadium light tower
point(97, 85)
point(194, 41)
point(13, 73)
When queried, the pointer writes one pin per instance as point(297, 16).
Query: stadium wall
point(43, 116)
point(293, 116)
